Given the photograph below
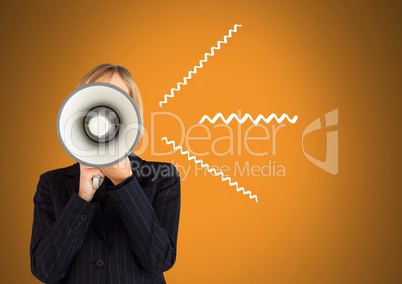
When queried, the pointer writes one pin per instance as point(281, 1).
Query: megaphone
point(99, 125)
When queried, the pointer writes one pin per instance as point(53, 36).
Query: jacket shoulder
point(70, 170)
point(159, 172)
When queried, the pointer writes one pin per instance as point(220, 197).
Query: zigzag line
point(201, 64)
point(209, 169)
point(248, 116)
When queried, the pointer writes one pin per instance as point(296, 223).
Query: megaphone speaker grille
point(101, 124)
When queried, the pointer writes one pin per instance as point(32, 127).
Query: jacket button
point(83, 217)
point(100, 263)
point(77, 226)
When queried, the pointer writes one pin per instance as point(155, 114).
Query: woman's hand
point(86, 190)
point(118, 172)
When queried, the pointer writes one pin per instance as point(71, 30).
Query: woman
point(124, 232)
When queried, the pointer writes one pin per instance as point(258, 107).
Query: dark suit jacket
point(133, 240)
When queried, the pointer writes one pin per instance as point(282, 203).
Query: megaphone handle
point(96, 181)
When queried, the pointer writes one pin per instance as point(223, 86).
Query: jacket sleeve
point(56, 241)
point(152, 228)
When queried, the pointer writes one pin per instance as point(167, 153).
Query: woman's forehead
point(114, 79)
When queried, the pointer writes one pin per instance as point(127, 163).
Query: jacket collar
point(73, 170)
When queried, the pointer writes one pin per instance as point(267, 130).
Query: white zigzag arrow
point(201, 64)
point(248, 116)
point(209, 169)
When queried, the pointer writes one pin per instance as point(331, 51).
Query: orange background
point(297, 57)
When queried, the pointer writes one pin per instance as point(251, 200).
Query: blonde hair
point(107, 69)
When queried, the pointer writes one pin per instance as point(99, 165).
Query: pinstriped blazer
point(132, 240)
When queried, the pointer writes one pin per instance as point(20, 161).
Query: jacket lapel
point(98, 221)
point(109, 213)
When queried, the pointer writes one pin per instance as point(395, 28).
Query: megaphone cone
point(99, 125)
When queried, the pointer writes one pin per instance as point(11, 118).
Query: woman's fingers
point(86, 189)
point(89, 171)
